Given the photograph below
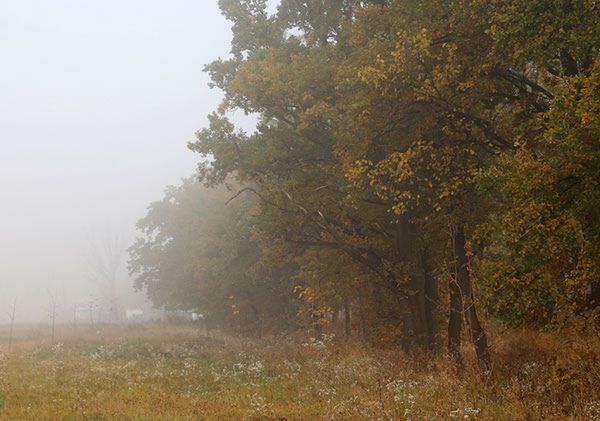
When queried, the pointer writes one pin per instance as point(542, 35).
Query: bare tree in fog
point(11, 316)
point(52, 310)
point(92, 305)
point(104, 262)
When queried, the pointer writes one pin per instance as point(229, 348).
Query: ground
point(162, 372)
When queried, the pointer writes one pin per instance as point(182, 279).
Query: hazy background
point(97, 102)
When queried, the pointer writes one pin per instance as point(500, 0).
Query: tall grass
point(175, 373)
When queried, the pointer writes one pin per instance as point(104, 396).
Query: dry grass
point(174, 373)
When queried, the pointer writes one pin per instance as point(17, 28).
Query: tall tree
point(197, 252)
point(105, 260)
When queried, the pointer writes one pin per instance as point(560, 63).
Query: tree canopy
point(415, 164)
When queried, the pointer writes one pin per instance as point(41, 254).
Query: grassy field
point(176, 373)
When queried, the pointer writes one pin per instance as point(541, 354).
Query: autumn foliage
point(419, 168)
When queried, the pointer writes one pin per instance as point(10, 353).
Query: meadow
point(163, 372)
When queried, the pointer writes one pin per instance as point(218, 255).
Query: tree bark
point(418, 313)
point(594, 301)
point(455, 322)
point(334, 318)
point(425, 333)
point(363, 319)
point(465, 289)
point(408, 330)
point(347, 325)
point(595, 294)
point(316, 323)
point(430, 300)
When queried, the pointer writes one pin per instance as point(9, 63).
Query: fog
point(97, 102)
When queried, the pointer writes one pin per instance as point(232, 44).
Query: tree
point(387, 166)
point(104, 261)
point(11, 317)
point(292, 159)
point(53, 306)
point(197, 252)
point(544, 265)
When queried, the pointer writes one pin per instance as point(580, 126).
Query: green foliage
point(401, 146)
point(199, 253)
point(544, 262)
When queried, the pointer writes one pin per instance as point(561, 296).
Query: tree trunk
point(419, 316)
point(347, 325)
point(417, 306)
point(430, 300)
point(465, 289)
point(595, 294)
point(362, 315)
point(335, 318)
point(594, 301)
point(408, 328)
point(454, 321)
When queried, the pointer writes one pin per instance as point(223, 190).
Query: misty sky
point(97, 102)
